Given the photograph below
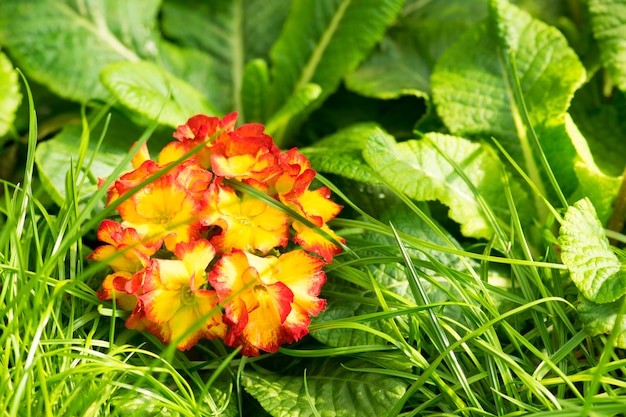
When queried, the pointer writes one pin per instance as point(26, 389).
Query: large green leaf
point(342, 153)
point(474, 92)
point(64, 45)
point(324, 40)
point(402, 62)
point(602, 319)
point(10, 96)
point(595, 269)
point(419, 170)
point(601, 120)
point(333, 391)
point(232, 33)
point(608, 19)
point(593, 184)
point(55, 157)
point(150, 91)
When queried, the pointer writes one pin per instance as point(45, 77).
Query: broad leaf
point(232, 33)
point(64, 47)
point(342, 153)
point(396, 69)
point(55, 157)
point(608, 20)
point(418, 169)
point(474, 94)
point(593, 184)
point(333, 391)
point(10, 96)
point(256, 83)
point(601, 121)
point(601, 319)
point(342, 305)
point(324, 40)
point(402, 62)
point(594, 268)
point(199, 70)
point(148, 90)
point(299, 102)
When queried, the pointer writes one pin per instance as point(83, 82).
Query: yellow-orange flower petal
point(125, 250)
point(109, 291)
point(173, 298)
point(313, 241)
point(163, 210)
point(247, 223)
point(302, 274)
point(260, 304)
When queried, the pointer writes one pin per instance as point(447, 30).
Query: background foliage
point(477, 147)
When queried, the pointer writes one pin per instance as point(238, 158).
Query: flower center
point(187, 296)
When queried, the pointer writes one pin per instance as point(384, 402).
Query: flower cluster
point(192, 257)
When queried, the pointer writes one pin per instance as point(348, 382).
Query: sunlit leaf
point(473, 91)
point(419, 170)
point(65, 46)
point(324, 40)
point(333, 390)
point(402, 62)
point(342, 153)
point(10, 96)
point(231, 33)
point(146, 89)
point(608, 20)
point(602, 319)
point(595, 269)
point(55, 157)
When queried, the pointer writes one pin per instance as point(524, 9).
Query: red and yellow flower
point(193, 258)
point(267, 300)
point(175, 296)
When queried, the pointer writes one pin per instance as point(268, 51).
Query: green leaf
point(342, 305)
point(10, 96)
point(324, 40)
point(600, 121)
point(232, 33)
point(342, 153)
point(255, 83)
point(601, 319)
point(608, 21)
point(302, 100)
point(402, 62)
point(417, 169)
point(148, 90)
point(199, 70)
point(395, 70)
point(474, 96)
point(333, 390)
point(593, 184)
point(64, 45)
point(594, 268)
point(55, 156)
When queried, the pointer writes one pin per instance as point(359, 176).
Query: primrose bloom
point(163, 210)
point(195, 257)
point(124, 250)
point(175, 296)
point(272, 297)
point(246, 222)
